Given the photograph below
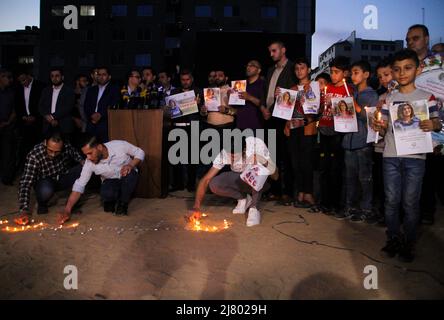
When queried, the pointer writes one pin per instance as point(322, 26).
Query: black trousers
point(301, 154)
point(378, 183)
point(119, 189)
point(331, 169)
point(29, 137)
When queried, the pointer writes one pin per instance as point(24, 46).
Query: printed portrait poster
point(285, 103)
point(432, 81)
point(372, 115)
point(344, 115)
point(212, 98)
point(311, 100)
point(409, 138)
point(237, 87)
point(181, 104)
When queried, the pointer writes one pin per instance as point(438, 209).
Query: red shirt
point(326, 119)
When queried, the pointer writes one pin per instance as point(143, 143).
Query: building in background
point(357, 49)
point(20, 49)
point(163, 34)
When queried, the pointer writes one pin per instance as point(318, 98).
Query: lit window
point(57, 11)
point(87, 11)
point(26, 60)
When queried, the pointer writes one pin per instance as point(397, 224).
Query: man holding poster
point(404, 158)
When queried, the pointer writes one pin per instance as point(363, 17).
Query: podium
point(142, 128)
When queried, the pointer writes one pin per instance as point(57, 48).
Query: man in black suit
point(57, 103)
point(97, 102)
point(29, 120)
point(280, 75)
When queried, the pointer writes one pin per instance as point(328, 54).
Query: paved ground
point(149, 255)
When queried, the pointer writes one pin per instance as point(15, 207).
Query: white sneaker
point(254, 217)
point(243, 205)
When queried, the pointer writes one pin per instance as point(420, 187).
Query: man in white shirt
point(229, 184)
point(116, 163)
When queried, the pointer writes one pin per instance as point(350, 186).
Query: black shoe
point(370, 217)
point(109, 206)
point(42, 209)
point(326, 210)
point(122, 209)
point(392, 247)
point(406, 253)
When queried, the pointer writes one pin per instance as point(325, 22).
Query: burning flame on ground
point(197, 225)
point(36, 227)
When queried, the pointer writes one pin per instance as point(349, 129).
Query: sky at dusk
point(335, 19)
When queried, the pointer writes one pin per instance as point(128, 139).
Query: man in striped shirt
point(50, 167)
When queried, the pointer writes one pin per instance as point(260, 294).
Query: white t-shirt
point(253, 146)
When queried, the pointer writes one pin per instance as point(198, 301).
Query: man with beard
point(116, 163)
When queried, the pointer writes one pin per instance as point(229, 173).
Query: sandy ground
point(149, 255)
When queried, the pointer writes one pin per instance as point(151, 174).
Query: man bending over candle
point(229, 184)
point(116, 162)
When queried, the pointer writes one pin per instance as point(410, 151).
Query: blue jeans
point(403, 183)
point(359, 178)
point(119, 189)
point(45, 188)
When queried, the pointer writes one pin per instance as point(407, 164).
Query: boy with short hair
point(403, 175)
point(331, 161)
point(358, 153)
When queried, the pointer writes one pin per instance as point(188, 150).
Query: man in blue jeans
point(116, 163)
point(403, 175)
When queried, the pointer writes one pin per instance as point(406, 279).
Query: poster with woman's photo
point(372, 115)
point(285, 103)
point(212, 99)
point(237, 87)
point(409, 138)
point(432, 82)
point(311, 99)
point(181, 104)
point(344, 115)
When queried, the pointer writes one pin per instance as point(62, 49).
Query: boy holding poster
point(403, 175)
point(358, 153)
point(331, 149)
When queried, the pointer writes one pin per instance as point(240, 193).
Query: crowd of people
point(46, 132)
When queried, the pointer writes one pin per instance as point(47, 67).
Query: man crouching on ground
point(229, 184)
point(116, 162)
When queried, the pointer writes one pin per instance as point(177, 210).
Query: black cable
point(317, 243)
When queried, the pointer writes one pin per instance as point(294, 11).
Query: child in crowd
point(331, 157)
point(358, 153)
point(403, 175)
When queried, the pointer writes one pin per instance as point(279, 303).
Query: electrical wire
point(317, 243)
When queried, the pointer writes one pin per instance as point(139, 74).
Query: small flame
point(36, 226)
point(197, 225)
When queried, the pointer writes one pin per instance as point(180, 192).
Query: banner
point(181, 104)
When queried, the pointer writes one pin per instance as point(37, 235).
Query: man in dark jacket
point(57, 104)
point(280, 75)
point(29, 120)
point(97, 102)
